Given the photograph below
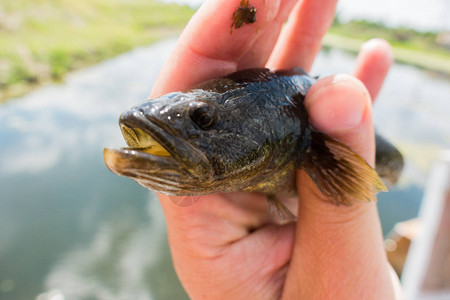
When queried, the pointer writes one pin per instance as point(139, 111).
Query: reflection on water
point(126, 259)
point(69, 227)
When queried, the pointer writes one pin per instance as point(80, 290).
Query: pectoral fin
point(341, 174)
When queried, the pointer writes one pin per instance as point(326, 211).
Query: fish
point(247, 131)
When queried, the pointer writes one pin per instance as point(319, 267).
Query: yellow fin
point(341, 174)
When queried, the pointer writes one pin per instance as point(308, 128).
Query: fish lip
point(195, 162)
point(118, 158)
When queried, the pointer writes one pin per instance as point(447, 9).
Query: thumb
point(341, 246)
point(339, 106)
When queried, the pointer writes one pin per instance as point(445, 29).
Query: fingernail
point(338, 103)
point(380, 46)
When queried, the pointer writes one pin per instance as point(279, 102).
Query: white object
point(426, 275)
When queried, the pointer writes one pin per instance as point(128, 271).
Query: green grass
point(411, 47)
point(42, 40)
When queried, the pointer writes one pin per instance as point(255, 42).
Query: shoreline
point(419, 59)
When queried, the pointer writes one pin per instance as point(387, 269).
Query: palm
point(235, 239)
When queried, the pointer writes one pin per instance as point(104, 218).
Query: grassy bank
point(43, 40)
point(410, 47)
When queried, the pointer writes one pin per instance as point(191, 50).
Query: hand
point(228, 246)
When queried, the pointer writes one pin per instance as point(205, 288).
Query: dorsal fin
point(243, 78)
point(251, 75)
point(262, 74)
point(291, 72)
point(236, 80)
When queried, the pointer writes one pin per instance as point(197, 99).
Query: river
point(70, 229)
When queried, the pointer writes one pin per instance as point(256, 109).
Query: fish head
point(187, 142)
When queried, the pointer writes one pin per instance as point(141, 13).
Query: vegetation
point(42, 40)
point(410, 46)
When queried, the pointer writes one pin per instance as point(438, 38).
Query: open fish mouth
point(155, 154)
point(139, 140)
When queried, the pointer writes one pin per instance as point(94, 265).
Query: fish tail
point(389, 161)
point(341, 174)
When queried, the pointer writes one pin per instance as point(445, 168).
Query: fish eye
point(203, 115)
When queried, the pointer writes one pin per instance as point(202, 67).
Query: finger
point(263, 46)
point(254, 268)
point(238, 213)
point(373, 63)
point(340, 105)
point(206, 49)
point(209, 47)
point(301, 38)
point(340, 245)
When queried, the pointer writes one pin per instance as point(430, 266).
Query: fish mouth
point(155, 152)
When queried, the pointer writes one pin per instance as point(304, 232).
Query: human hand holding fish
point(228, 245)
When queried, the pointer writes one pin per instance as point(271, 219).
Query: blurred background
point(70, 229)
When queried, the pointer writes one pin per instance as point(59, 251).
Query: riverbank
point(42, 41)
point(411, 47)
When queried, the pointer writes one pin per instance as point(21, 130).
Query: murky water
point(69, 227)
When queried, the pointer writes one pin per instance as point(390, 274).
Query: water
point(431, 15)
point(68, 225)
point(70, 229)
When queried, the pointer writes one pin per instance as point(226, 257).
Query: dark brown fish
point(248, 131)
